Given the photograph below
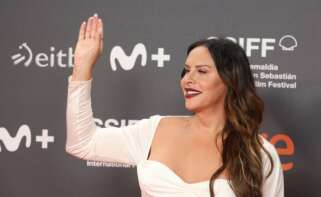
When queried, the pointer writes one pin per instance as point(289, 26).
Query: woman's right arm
point(85, 140)
point(127, 144)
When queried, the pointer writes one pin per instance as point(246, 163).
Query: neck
point(209, 121)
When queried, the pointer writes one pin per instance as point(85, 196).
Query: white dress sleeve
point(127, 144)
point(273, 186)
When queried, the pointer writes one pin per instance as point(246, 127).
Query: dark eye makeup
point(184, 71)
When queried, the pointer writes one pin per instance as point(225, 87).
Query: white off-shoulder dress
point(130, 144)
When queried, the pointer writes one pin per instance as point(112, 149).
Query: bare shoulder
point(169, 127)
point(172, 122)
point(165, 137)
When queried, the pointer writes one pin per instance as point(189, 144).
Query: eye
point(202, 71)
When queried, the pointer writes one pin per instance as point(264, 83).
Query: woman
point(215, 152)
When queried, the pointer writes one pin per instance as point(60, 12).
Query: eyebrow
point(198, 66)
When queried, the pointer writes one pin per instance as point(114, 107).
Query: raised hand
point(89, 48)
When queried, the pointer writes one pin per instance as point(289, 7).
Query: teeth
point(192, 92)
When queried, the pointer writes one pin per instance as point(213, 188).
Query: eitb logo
point(52, 58)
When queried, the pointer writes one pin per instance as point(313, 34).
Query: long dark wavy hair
point(241, 144)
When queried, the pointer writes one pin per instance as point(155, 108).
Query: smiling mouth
point(191, 94)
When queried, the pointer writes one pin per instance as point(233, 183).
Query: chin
point(192, 108)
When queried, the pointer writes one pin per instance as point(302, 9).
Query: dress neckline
point(168, 168)
point(179, 178)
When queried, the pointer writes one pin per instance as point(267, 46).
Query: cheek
point(216, 88)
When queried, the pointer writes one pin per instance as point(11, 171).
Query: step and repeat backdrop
point(138, 76)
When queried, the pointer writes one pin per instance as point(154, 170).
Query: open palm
point(89, 46)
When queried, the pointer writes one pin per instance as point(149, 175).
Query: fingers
point(89, 27)
point(101, 46)
point(94, 33)
point(82, 31)
point(100, 29)
point(93, 29)
point(101, 35)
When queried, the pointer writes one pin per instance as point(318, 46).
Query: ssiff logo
point(263, 45)
point(53, 58)
point(288, 43)
point(12, 143)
